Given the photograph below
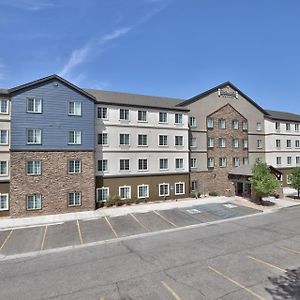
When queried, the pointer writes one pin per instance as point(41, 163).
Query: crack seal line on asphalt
point(237, 283)
point(171, 291)
point(267, 263)
point(164, 218)
point(7, 238)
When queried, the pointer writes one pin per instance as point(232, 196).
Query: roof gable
point(48, 79)
point(215, 89)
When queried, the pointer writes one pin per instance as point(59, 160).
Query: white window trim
point(98, 190)
point(159, 164)
point(122, 171)
point(34, 208)
point(106, 171)
point(159, 145)
point(142, 121)
point(179, 158)
point(146, 138)
point(73, 160)
point(167, 118)
point(34, 174)
point(7, 138)
point(7, 201)
point(72, 205)
point(124, 120)
point(125, 186)
point(34, 99)
point(107, 110)
point(103, 145)
point(73, 133)
point(183, 192)
point(180, 145)
point(165, 195)
point(32, 143)
point(143, 170)
point(124, 145)
point(195, 166)
point(138, 192)
point(178, 123)
point(73, 114)
point(7, 107)
point(194, 123)
point(7, 169)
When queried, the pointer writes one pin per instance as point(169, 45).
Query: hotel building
point(65, 149)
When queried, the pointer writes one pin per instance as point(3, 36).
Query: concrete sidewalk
point(7, 223)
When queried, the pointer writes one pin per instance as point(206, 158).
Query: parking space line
point(79, 232)
point(290, 250)
point(237, 283)
point(267, 264)
point(7, 238)
point(44, 238)
point(111, 227)
point(164, 218)
point(171, 291)
point(136, 219)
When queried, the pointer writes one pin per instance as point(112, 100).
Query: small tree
point(263, 182)
point(295, 180)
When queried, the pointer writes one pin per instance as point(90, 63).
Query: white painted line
point(193, 211)
point(229, 205)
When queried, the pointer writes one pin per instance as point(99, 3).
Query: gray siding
point(54, 119)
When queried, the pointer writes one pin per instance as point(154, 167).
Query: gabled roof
point(126, 99)
point(283, 116)
point(214, 89)
point(47, 79)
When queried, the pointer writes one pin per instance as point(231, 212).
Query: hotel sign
point(226, 93)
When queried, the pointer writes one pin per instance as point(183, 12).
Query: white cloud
point(79, 56)
point(32, 5)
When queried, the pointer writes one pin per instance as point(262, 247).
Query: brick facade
point(53, 184)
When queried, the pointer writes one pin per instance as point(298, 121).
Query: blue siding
point(54, 119)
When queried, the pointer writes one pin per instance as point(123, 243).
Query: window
point(74, 166)
point(179, 188)
point(163, 117)
point(288, 179)
point(235, 124)
point(4, 202)
point(210, 142)
point(179, 163)
point(245, 144)
point(193, 163)
point(102, 113)
point(193, 122)
point(34, 202)
point(259, 144)
point(143, 164)
point(163, 164)
point(193, 141)
point(74, 137)
point(125, 192)
point(278, 160)
point(288, 126)
point(288, 143)
point(124, 165)
point(34, 105)
point(102, 165)
point(163, 140)
point(235, 143)
point(210, 162)
point(222, 123)
point(222, 143)
point(178, 140)
point(102, 194)
point(74, 199)
point(297, 143)
point(34, 136)
point(296, 127)
point(75, 108)
point(143, 191)
point(222, 162)
point(194, 185)
point(3, 137)
point(142, 140)
point(164, 190)
point(258, 126)
point(245, 161)
point(235, 161)
point(142, 116)
point(3, 167)
point(277, 126)
point(178, 118)
point(297, 160)
point(278, 143)
point(289, 160)
point(124, 114)
point(4, 106)
point(102, 139)
point(245, 125)
point(33, 167)
point(124, 139)
point(210, 123)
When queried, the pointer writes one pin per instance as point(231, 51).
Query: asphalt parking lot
point(24, 240)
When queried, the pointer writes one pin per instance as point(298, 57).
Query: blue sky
point(174, 48)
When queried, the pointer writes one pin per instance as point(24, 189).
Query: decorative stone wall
point(53, 184)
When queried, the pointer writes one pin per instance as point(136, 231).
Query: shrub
point(118, 201)
point(137, 201)
point(109, 201)
point(128, 201)
point(213, 194)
